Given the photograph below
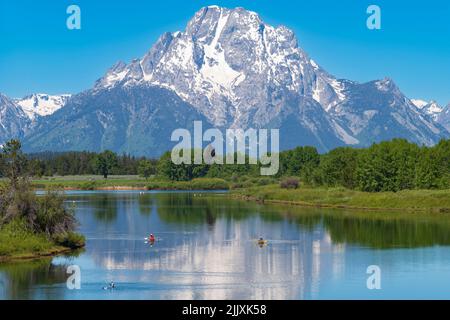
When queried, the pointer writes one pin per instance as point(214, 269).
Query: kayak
point(148, 240)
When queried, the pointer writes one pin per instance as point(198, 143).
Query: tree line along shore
point(389, 166)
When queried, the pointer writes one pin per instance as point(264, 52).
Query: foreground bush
point(15, 238)
point(42, 214)
point(29, 223)
point(70, 240)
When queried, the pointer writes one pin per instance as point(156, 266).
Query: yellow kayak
point(262, 242)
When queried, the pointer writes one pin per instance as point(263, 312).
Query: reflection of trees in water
point(306, 218)
point(146, 203)
point(105, 208)
point(188, 208)
point(389, 232)
point(20, 277)
point(376, 230)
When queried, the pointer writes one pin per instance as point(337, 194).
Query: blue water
point(207, 249)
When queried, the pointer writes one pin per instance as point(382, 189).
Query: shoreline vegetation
point(31, 225)
point(91, 183)
point(340, 198)
point(19, 243)
point(266, 190)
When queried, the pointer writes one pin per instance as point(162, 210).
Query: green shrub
point(15, 238)
point(290, 183)
point(70, 240)
point(52, 217)
point(196, 184)
point(209, 184)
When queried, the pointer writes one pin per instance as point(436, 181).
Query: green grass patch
point(71, 240)
point(436, 200)
point(196, 184)
point(96, 182)
point(90, 182)
point(17, 242)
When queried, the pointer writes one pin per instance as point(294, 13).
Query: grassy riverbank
point(90, 183)
point(17, 243)
point(411, 200)
point(128, 183)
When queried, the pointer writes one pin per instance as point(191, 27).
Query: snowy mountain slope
point(432, 108)
point(13, 121)
point(378, 110)
point(42, 104)
point(138, 121)
point(227, 63)
point(444, 117)
point(419, 103)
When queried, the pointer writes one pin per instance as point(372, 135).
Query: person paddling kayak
point(152, 238)
point(262, 242)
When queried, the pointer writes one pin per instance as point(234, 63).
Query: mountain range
point(228, 69)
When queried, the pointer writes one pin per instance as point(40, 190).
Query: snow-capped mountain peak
point(432, 108)
point(42, 104)
point(224, 55)
point(239, 71)
point(419, 103)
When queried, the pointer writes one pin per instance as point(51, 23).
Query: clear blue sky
point(39, 54)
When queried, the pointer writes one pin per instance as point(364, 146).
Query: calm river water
point(207, 248)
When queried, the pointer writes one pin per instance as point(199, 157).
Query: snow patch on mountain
point(432, 108)
point(216, 69)
point(42, 104)
point(344, 135)
point(419, 103)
